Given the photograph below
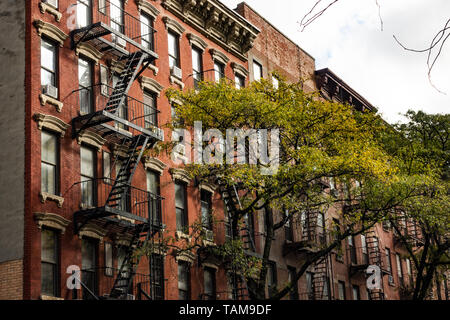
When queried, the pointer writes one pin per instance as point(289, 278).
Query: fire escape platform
point(98, 123)
point(300, 247)
point(93, 34)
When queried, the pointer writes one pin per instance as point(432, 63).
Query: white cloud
point(348, 40)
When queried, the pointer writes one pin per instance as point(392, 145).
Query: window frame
point(56, 164)
point(89, 178)
point(292, 273)
point(148, 44)
point(258, 67)
point(55, 264)
point(213, 294)
point(197, 74)
point(86, 88)
point(153, 97)
point(175, 56)
point(183, 223)
point(341, 285)
point(206, 199)
point(185, 268)
point(93, 271)
point(219, 72)
point(55, 73)
point(157, 264)
point(355, 289)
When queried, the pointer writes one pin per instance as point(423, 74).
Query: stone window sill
point(51, 197)
point(176, 81)
point(47, 99)
point(44, 7)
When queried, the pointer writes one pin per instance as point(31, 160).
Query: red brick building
point(84, 84)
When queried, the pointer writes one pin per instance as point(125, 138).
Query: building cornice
point(217, 22)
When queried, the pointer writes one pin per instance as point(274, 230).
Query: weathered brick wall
point(11, 280)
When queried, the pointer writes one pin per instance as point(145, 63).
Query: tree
point(421, 148)
point(318, 140)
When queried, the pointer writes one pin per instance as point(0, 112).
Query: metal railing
point(100, 281)
point(305, 230)
point(94, 193)
point(95, 98)
point(119, 20)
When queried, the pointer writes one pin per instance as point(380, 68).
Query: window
point(147, 32)
point(205, 202)
point(87, 156)
point(321, 227)
point(408, 268)
point(107, 167)
point(116, 11)
point(49, 162)
point(84, 15)
point(197, 66)
point(288, 232)
point(365, 255)
point(157, 276)
point(49, 63)
point(85, 74)
point(275, 82)
point(150, 111)
point(239, 81)
point(341, 290)
point(309, 285)
point(209, 283)
point(293, 294)
point(154, 205)
point(184, 277)
point(121, 256)
point(352, 248)
point(174, 53)
point(271, 277)
point(355, 291)
point(108, 259)
point(257, 71)
point(399, 268)
point(180, 207)
point(219, 71)
point(389, 265)
point(89, 266)
point(49, 263)
point(250, 225)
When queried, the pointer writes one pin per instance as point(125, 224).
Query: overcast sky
point(348, 40)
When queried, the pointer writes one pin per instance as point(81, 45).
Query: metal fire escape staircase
point(232, 202)
point(374, 253)
point(135, 145)
point(319, 280)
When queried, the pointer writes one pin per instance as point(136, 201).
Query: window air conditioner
point(53, 3)
point(50, 91)
point(176, 72)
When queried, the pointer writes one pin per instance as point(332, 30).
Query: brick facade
point(21, 279)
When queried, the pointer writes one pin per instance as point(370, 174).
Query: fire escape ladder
point(309, 232)
point(124, 280)
point(127, 170)
point(320, 278)
point(374, 252)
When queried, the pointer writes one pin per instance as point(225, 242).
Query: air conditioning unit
point(176, 72)
point(50, 91)
point(209, 235)
point(53, 3)
point(120, 42)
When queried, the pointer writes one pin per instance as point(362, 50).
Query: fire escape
point(114, 204)
point(232, 203)
point(307, 236)
point(369, 254)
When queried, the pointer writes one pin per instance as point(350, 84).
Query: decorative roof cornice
point(151, 84)
point(197, 41)
point(173, 25)
point(145, 6)
point(217, 22)
point(50, 31)
point(51, 122)
point(51, 220)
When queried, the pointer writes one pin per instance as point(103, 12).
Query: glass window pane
point(257, 71)
point(183, 276)
point(88, 254)
point(108, 259)
point(84, 73)
point(107, 165)
point(48, 272)
point(83, 13)
point(47, 78)
point(196, 60)
point(48, 147)
point(152, 182)
point(48, 55)
point(179, 195)
point(48, 246)
point(172, 44)
point(48, 178)
point(87, 162)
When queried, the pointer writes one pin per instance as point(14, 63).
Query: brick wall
point(11, 280)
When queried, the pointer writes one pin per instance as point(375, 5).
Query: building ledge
point(45, 7)
point(176, 81)
point(48, 196)
point(154, 164)
point(47, 99)
point(92, 139)
point(51, 220)
point(51, 122)
point(180, 174)
point(51, 31)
